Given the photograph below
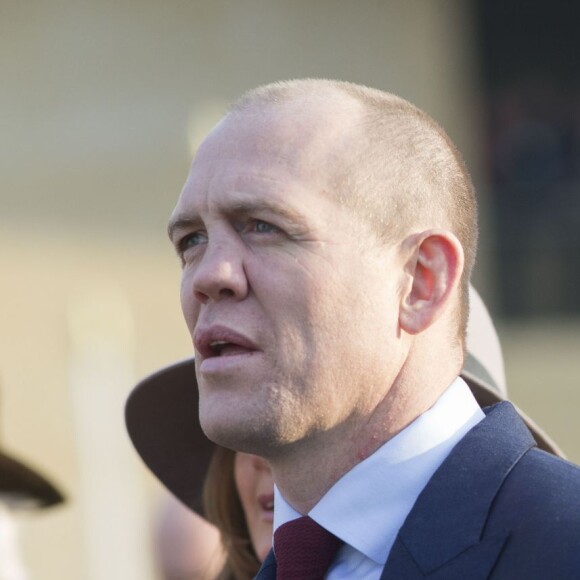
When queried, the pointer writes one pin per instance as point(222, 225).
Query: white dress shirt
point(367, 506)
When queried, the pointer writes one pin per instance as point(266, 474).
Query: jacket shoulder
point(539, 503)
point(543, 484)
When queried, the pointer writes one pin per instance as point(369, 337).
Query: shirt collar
point(367, 506)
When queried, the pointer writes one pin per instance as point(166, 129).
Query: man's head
point(322, 230)
point(399, 169)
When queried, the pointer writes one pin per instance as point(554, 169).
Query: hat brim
point(22, 487)
point(162, 417)
point(487, 393)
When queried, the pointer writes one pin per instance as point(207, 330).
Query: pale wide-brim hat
point(483, 368)
point(162, 411)
point(21, 486)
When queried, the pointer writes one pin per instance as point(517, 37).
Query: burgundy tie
point(303, 550)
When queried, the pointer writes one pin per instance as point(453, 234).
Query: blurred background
point(102, 104)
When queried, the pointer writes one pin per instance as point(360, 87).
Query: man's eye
point(262, 227)
point(191, 241)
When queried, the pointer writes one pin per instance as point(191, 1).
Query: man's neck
point(307, 471)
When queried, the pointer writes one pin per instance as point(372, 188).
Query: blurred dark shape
point(21, 486)
point(531, 73)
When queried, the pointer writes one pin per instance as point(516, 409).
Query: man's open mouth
point(221, 341)
point(224, 348)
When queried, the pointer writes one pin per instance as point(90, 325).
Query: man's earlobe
point(435, 267)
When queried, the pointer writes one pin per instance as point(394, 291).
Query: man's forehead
point(272, 195)
point(269, 148)
point(225, 188)
point(271, 145)
point(308, 123)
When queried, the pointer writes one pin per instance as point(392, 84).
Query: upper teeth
point(217, 346)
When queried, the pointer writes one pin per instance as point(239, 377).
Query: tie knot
point(304, 550)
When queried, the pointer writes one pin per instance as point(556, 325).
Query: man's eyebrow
point(239, 208)
point(180, 223)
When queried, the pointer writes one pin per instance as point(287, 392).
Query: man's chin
point(247, 436)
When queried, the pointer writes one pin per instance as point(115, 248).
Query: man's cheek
point(188, 309)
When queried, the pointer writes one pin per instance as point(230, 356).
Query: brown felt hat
point(162, 411)
point(162, 417)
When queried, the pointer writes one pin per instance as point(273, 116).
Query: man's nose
point(220, 274)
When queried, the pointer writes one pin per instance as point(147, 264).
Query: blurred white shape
point(11, 567)
point(110, 494)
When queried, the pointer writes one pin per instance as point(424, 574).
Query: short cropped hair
point(400, 171)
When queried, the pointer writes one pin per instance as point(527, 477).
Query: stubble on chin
point(266, 427)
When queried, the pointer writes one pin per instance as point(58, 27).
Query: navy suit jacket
point(497, 508)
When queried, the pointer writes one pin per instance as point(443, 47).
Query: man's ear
point(434, 266)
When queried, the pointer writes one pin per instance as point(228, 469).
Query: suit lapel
point(475, 563)
point(444, 535)
point(268, 568)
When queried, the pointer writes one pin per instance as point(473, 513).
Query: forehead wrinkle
point(258, 187)
point(243, 208)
